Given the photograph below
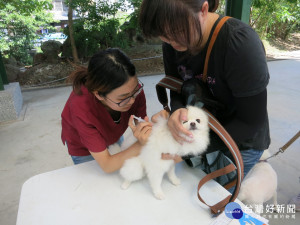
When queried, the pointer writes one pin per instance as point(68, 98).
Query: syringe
point(138, 118)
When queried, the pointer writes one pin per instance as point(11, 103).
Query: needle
point(138, 118)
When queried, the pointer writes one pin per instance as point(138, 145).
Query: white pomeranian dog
point(160, 141)
point(260, 184)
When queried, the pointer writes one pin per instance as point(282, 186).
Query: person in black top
point(237, 74)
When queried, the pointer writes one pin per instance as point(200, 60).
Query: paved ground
point(31, 145)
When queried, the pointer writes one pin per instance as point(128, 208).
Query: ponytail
point(78, 78)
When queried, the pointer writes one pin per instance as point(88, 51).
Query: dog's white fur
point(160, 141)
point(260, 184)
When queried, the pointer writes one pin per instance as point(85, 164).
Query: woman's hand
point(167, 156)
point(175, 125)
point(141, 130)
point(162, 113)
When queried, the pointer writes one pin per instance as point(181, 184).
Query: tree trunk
point(71, 33)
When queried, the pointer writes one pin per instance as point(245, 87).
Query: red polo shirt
point(87, 125)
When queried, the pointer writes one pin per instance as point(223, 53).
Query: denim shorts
point(250, 158)
point(82, 159)
point(87, 158)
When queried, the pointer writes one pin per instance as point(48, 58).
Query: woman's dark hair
point(107, 70)
point(176, 20)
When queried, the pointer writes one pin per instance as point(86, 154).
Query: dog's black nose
point(192, 124)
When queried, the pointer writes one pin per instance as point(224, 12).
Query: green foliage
point(103, 24)
point(26, 7)
point(98, 27)
point(18, 26)
point(88, 41)
point(133, 17)
point(275, 18)
point(221, 7)
point(91, 39)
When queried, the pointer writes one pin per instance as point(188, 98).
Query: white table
point(84, 194)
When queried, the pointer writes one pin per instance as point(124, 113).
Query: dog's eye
point(184, 122)
point(198, 120)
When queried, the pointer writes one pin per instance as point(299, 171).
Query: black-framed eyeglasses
point(134, 95)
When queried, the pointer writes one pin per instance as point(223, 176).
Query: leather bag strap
point(234, 150)
point(217, 208)
point(211, 44)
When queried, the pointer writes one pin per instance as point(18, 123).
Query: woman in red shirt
point(105, 96)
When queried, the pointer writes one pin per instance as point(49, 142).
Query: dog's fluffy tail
point(132, 169)
point(265, 155)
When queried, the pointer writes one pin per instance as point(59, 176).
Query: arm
point(246, 74)
point(111, 163)
point(248, 119)
point(250, 116)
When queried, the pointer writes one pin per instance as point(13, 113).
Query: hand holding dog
point(167, 156)
point(175, 125)
point(142, 130)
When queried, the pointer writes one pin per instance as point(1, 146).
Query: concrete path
point(32, 145)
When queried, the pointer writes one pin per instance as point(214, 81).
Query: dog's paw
point(176, 181)
point(125, 185)
point(159, 195)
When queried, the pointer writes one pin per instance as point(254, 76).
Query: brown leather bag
point(175, 84)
